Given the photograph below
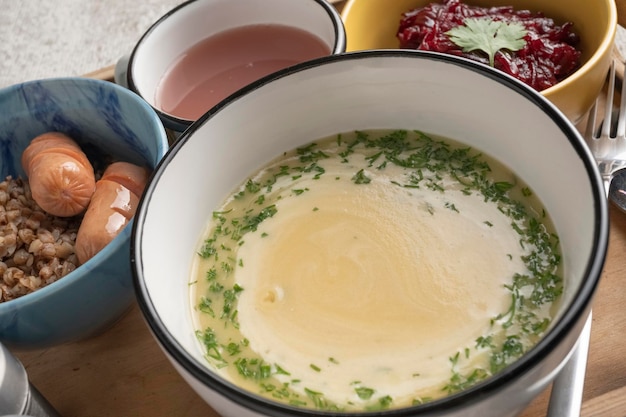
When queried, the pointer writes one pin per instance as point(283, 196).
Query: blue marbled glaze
point(109, 122)
point(97, 113)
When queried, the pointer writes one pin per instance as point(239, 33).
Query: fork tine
point(621, 120)
point(608, 110)
point(594, 130)
point(592, 120)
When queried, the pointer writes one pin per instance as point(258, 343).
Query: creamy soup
point(374, 270)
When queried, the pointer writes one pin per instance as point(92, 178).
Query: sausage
point(60, 175)
point(112, 206)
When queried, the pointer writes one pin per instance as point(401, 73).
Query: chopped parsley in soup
point(374, 270)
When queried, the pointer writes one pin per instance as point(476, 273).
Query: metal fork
point(606, 139)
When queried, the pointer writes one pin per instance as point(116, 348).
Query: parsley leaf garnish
point(488, 36)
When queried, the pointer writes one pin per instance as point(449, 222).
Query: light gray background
point(50, 38)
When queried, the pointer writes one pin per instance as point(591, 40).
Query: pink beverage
point(223, 63)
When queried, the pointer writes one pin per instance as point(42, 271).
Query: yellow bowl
point(372, 24)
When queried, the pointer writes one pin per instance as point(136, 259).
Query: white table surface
point(55, 38)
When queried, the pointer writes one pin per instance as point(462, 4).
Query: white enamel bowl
point(379, 90)
point(195, 20)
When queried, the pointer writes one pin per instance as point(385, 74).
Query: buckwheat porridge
point(36, 249)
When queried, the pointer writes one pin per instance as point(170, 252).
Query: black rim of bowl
point(181, 124)
point(579, 306)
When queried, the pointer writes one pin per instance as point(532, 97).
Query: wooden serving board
point(123, 372)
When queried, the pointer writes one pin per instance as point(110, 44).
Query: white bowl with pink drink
point(202, 51)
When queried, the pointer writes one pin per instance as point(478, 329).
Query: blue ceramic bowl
point(105, 119)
